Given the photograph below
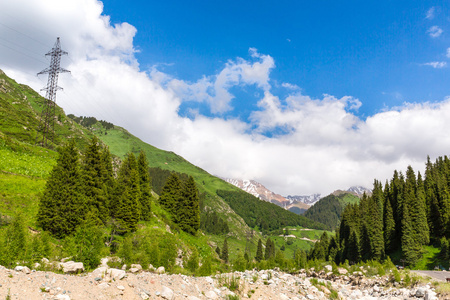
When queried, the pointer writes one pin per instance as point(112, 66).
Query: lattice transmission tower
point(47, 127)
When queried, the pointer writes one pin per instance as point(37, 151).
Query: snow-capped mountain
point(310, 199)
point(359, 191)
point(258, 190)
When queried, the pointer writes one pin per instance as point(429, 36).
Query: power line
point(48, 112)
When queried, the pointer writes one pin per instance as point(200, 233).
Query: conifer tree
point(145, 186)
point(410, 247)
point(93, 180)
point(126, 208)
point(270, 249)
point(389, 223)
point(259, 252)
point(62, 205)
point(188, 212)
point(419, 217)
point(171, 193)
point(224, 256)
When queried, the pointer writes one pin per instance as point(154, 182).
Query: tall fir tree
point(62, 205)
point(188, 213)
point(94, 187)
point(171, 193)
point(410, 247)
point(126, 206)
point(388, 222)
point(419, 215)
point(259, 252)
point(224, 255)
point(145, 186)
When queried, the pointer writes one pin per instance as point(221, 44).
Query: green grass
point(429, 259)
point(20, 194)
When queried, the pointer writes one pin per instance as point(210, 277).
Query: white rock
point(103, 285)
point(144, 296)
point(209, 280)
point(328, 268)
point(342, 271)
point(18, 268)
point(121, 287)
point(44, 261)
point(116, 274)
point(124, 267)
point(166, 293)
point(283, 297)
point(100, 272)
point(430, 295)
point(104, 262)
point(161, 270)
point(72, 267)
point(211, 295)
point(136, 266)
point(310, 297)
point(134, 270)
point(62, 297)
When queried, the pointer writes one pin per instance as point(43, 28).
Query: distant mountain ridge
point(298, 203)
point(260, 191)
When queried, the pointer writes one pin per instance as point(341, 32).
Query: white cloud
point(323, 146)
point(448, 52)
point(430, 13)
point(436, 64)
point(214, 89)
point(435, 31)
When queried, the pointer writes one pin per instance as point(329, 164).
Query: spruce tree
point(171, 193)
point(419, 216)
point(259, 252)
point(94, 187)
point(62, 205)
point(145, 186)
point(188, 212)
point(410, 247)
point(126, 206)
point(224, 255)
point(389, 224)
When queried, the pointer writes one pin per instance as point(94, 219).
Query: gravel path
point(438, 275)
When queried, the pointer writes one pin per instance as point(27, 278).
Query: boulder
point(116, 274)
point(72, 267)
point(328, 268)
point(166, 293)
point(211, 295)
point(134, 268)
point(161, 270)
point(420, 293)
point(430, 295)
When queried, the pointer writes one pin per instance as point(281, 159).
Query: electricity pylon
point(48, 111)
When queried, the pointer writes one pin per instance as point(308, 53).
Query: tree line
point(397, 220)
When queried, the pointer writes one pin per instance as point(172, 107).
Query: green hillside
point(25, 167)
point(328, 210)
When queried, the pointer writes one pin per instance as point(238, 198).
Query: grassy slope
point(24, 167)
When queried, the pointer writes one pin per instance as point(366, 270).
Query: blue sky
point(303, 97)
point(375, 51)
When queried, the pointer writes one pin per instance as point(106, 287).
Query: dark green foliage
point(62, 205)
point(94, 187)
point(259, 252)
point(265, 215)
point(188, 211)
point(86, 244)
point(270, 249)
point(389, 223)
point(320, 250)
point(145, 186)
point(160, 176)
point(218, 251)
point(126, 205)
point(410, 247)
point(14, 247)
point(171, 194)
point(212, 223)
point(224, 255)
point(327, 211)
point(445, 249)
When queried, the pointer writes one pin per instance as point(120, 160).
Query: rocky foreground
point(109, 283)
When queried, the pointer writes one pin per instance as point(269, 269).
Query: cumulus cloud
point(215, 89)
point(294, 144)
point(436, 64)
point(435, 31)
